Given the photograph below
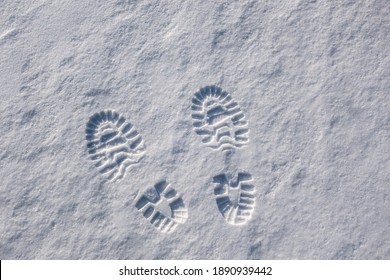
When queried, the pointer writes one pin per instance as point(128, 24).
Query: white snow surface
point(310, 77)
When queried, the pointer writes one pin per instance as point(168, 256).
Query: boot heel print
point(148, 204)
point(235, 198)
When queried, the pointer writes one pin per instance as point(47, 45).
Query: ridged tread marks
point(113, 144)
point(235, 198)
point(218, 119)
point(148, 204)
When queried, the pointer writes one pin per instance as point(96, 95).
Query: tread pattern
point(235, 198)
point(113, 144)
point(148, 205)
point(218, 119)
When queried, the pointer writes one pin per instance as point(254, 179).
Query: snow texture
point(257, 129)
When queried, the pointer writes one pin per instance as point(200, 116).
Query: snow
point(310, 77)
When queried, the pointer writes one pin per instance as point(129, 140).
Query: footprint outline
point(147, 204)
point(239, 211)
point(113, 144)
point(218, 119)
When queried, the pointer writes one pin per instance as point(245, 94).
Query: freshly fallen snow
point(310, 77)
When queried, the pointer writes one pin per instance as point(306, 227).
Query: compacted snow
point(194, 129)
